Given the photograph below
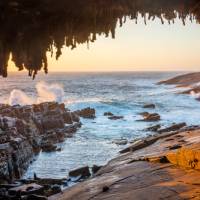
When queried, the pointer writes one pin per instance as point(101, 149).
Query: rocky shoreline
point(24, 132)
point(165, 165)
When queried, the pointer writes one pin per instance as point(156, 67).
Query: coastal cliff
point(26, 130)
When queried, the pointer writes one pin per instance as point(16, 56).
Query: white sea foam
point(45, 92)
point(49, 92)
point(195, 95)
point(18, 97)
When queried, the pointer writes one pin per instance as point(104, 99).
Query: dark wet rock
point(50, 181)
point(56, 189)
point(83, 172)
point(105, 189)
point(177, 146)
point(35, 197)
point(48, 147)
point(115, 117)
point(174, 127)
point(149, 106)
point(3, 192)
point(164, 159)
point(120, 141)
point(95, 168)
point(154, 128)
point(86, 113)
point(151, 117)
point(169, 139)
point(108, 114)
point(58, 149)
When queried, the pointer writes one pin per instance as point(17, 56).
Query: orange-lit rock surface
point(165, 168)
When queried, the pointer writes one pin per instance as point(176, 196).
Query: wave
point(45, 92)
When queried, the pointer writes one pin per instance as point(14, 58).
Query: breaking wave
point(45, 92)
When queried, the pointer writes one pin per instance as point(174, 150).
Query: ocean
point(122, 93)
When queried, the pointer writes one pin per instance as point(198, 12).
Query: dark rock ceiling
point(31, 28)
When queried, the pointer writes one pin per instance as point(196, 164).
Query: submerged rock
point(149, 106)
point(120, 141)
point(108, 114)
point(115, 117)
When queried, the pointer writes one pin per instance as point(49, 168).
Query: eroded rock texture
point(31, 28)
point(147, 170)
point(26, 130)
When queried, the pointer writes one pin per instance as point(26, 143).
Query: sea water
point(122, 93)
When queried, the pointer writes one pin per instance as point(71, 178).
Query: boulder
point(86, 113)
point(151, 117)
point(83, 172)
point(108, 114)
point(95, 168)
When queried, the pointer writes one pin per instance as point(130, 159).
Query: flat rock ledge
point(164, 166)
point(26, 130)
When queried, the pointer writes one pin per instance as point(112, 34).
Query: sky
point(154, 47)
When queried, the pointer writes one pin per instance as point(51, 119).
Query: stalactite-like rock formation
point(31, 28)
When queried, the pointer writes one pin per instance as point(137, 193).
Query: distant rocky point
point(183, 80)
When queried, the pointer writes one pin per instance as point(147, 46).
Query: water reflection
point(31, 28)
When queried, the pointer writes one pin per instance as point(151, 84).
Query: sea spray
point(195, 95)
point(49, 92)
point(18, 97)
point(45, 92)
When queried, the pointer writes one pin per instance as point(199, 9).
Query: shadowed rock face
point(29, 29)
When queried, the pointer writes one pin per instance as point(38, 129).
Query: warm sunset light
point(100, 100)
point(154, 47)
